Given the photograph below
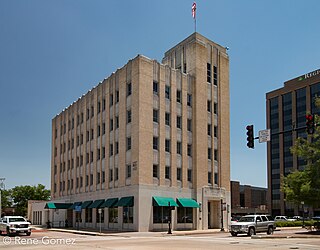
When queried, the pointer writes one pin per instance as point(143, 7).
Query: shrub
point(293, 223)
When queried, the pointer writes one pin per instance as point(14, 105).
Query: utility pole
point(1, 187)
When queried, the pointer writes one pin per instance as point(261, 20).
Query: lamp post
point(1, 187)
point(302, 203)
point(169, 219)
point(222, 228)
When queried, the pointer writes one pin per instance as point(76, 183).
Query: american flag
point(194, 7)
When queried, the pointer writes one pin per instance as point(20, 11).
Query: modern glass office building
point(286, 117)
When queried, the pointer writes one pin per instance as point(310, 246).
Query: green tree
point(21, 195)
point(304, 185)
point(5, 199)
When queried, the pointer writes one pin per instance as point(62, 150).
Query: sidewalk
point(286, 232)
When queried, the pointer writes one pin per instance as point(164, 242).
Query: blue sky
point(52, 52)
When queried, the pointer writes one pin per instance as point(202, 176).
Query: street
point(151, 240)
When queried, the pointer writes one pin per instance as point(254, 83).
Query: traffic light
point(310, 124)
point(250, 137)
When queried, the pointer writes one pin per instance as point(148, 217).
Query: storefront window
point(161, 214)
point(88, 215)
point(127, 214)
point(185, 215)
point(98, 215)
point(113, 215)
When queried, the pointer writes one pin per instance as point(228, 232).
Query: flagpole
point(194, 8)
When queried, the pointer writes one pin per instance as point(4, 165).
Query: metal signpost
point(100, 212)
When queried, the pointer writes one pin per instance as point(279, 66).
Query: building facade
point(286, 117)
point(246, 199)
point(148, 145)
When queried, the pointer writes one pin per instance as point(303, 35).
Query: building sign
point(309, 75)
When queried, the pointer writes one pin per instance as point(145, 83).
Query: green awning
point(164, 201)
point(187, 202)
point(55, 205)
point(76, 204)
point(110, 202)
point(96, 204)
point(86, 204)
point(125, 202)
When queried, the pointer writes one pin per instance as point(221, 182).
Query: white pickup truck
point(14, 225)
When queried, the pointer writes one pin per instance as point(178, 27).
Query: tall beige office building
point(150, 137)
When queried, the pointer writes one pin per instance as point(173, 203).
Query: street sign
point(264, 135)
point(77, 208)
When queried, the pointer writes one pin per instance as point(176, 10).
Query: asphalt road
point(142, 241)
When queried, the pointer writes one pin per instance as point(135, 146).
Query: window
point(88, 215)
point(92, 134)
point(110, 174)
point(111, 124)
point(190, 175)
point(128, 116)
point(155, 143)
point(208, 72)
point(87, 180)
point(103, 128)
point(98, 178)
point(209, 153)
point(127, 215)
point(185, 215)
point(167, 145)
point(167, 92)
point(160, 214)
point(116, 174)
point(103, 104)
point(117, 148)
point(92, 111)
point(179, 96)
point(189, 150)
point(111, 100)
point(129, 89)
point(98, 154)
point(179, 147)
point(155, 88)
point(155, 115)
point(216, 178)
point(99, 107)
point(111, 150)
point(98, 131)
point(215, 108)
point(128, 143)
point(103, 152)
point(167, 119)
point(179, 177)
point(209, 129)
point(189, 100)
point(88, 136)
point(113, 215)
point(117, 122)
point(215, 76)
point(155, 171)
point(209, 106)
point(91, 156)
point(117, 96)
point(215, 154)
point(128, 170)
point(209, 178)
point(215, 131)
point(179, 122)
point(81, 140)
point(189, 125)
point(103, 176)
point(167, 173)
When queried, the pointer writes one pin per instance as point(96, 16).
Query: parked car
point(283, 218)
point(252, 224)
point(297, 217)
point(14, 225)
